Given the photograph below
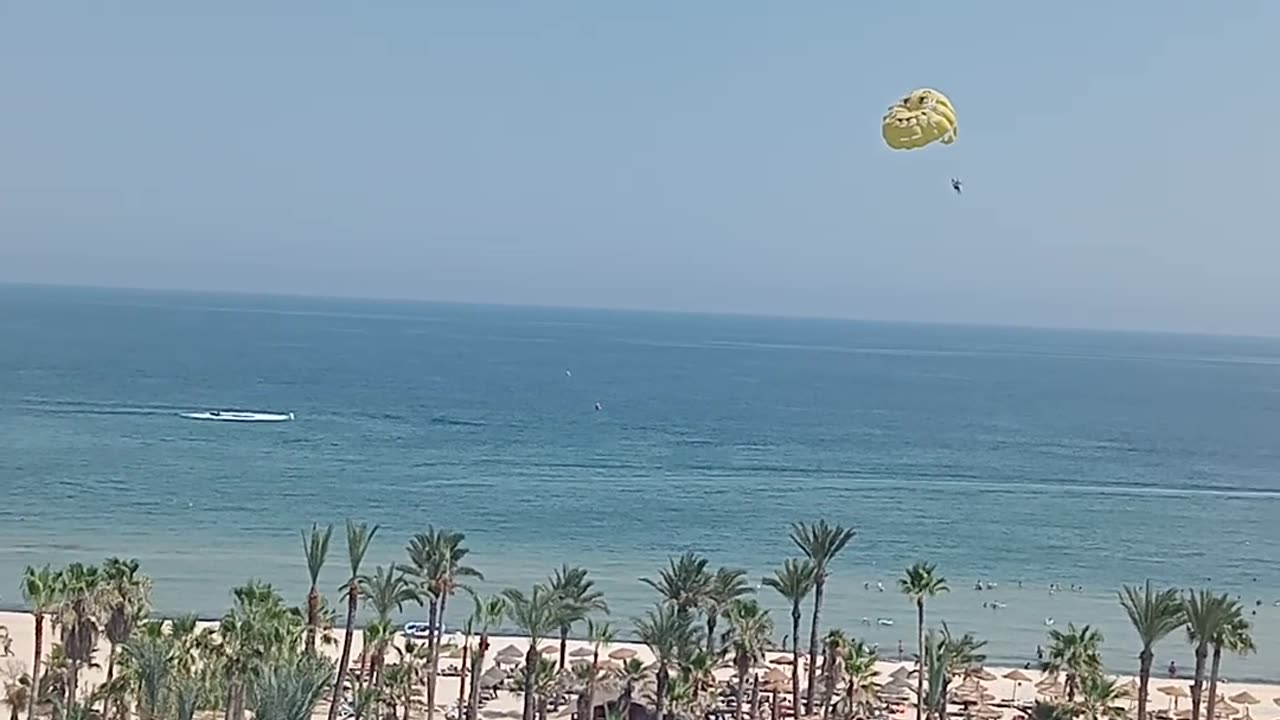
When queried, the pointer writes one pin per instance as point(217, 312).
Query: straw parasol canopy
point(1225, 709)
point(1046, 681)
point(492, 678)
point(1129, 689)
point(610, 666)
point(1244, 698)
point(509, 655)
point(989, 713)
point(982, 674)
point(895, 690)
point(549, 650)
point(622, 654)
point(902, 672)
point(783, 660)
point(776, 676)
point(1174, 691)
point(1017, 676)
point(582, 652)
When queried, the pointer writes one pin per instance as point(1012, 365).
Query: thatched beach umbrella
point(1225, 709)
point(986, 713)
point(1244, 698)
point(623, 654)
point(896, 689)
point(902, 672)
point(549, 649)
point(981, 674)
point(582, 652)
point(783, 660)
point(1175, 692)
point(492, 678)
point(509, 655)
point(1018, 677)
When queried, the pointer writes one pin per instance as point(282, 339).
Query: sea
point(1015, 459)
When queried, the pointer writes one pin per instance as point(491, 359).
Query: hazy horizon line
point(646, 310)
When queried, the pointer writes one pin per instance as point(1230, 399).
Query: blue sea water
point(1003, 455)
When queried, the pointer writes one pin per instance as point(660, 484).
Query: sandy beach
point(507, 705)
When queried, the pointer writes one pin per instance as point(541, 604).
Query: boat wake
point(237, 416)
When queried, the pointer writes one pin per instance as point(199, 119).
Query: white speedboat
point(237, 416)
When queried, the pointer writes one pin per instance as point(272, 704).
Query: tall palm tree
point(834, 646)
point(1236, 637)
point(1075, 653)
point(748, 638)
point(358, 539)
point(387, 590)
point(436, 558)
point(1154, 615)
point(40, 590)
point(486, 615)
point(580, 600)
point(537, 615)
point(821, 542)
point(126, 600)
point(669, 634)
point(81, 591)
point(315, 545)
point(601, 635)
point(1207, 617)
point(794, 581)
point(727, 586)
point(684, 583)
point(921, 581)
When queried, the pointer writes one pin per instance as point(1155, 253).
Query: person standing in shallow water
point(1173, 670)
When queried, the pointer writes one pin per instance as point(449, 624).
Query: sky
point(1119, 158)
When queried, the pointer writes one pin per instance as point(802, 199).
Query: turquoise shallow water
point(1001, 454)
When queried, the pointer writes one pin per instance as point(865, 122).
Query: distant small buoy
point(568, 374)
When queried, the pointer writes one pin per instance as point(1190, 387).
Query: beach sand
point(507, 705)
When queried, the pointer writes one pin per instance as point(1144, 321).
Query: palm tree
point(150, 659)
point(748, 638)
point(821, 543)
point(794, 581)
point(834, 646)
point(127, 600)
point(386, 591)
point(684, 583)
point(289, 689)
point(727, 586)
point(40, 591)
point(919, 582)
point(1207, 617)
point(1235, 636)
point(1075, 654)
point(601, 635)
point(358, 539)
point(1099, 698)
point(537, 615)
point(669, 634)
point(580, 600)
point(486, 615)
point(632, 673)
point(946, 656)
point(436, 558)
point(315, 545)
point(859, 665)
point(16, 693)
point(1154, 616)
point(81, 590)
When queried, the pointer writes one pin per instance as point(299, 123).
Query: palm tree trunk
point(313, 618)
point(436, 611)
point(755, 697)
point(741, 692)
point(660, 702)
point(35, 665)
point(1197, 684)
point(564, 646)
point(712, 618)
point(1144, 679)
point(795, 659)
point(591, 686)
point(530, 672)
point(462, 677)
point(813, 643)
point(477, 667)
point(352, 600)
point(1213, 681)
point(920, 671)
point(111, 673)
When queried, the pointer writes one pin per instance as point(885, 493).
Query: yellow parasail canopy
point(921, 118)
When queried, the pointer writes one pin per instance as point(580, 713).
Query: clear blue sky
point(1120, 158)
